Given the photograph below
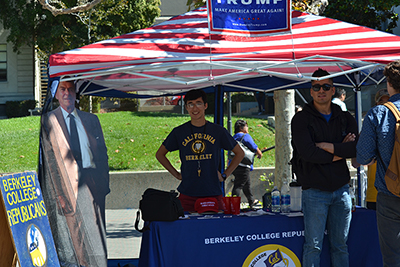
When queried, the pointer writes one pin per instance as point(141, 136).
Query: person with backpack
point(376, 144)
point(323, 136)
point(381, 97)
point(242, 172)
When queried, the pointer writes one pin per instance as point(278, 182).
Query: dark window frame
point(3, 71)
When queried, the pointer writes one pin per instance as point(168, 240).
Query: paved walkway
point(123, 241)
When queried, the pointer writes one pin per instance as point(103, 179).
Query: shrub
point(128, 104)
point(16, 109)
point(241, 97)
point(84, 103)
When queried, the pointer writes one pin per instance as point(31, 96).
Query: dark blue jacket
point(312, 165)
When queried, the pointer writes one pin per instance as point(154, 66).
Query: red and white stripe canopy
point(180, 54)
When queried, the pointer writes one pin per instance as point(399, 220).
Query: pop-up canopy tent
point(180, 54)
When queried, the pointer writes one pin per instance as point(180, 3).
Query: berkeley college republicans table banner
point(249, 17)
point(269, 240)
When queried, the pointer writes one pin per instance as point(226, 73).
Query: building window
point(3, 62)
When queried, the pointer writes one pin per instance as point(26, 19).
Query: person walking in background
point(376, 143)
point(260, 96)
point(339, 97)
point(323, 136)
point(199, 143)
point(381, 97)
point(242, 172)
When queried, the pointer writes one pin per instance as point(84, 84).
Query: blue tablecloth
point(249, 241)
point(122, 262)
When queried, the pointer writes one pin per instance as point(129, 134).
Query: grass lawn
point(132, 139)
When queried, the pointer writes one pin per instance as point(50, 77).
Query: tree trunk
point(284, 111)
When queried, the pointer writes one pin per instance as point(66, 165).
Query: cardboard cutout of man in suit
point(74, 177)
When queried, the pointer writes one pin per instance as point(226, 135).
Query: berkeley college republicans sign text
point(249, 17)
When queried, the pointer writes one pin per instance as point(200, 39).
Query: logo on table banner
point(272, 255)
point(36, 246)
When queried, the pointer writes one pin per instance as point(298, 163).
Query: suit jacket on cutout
point(67, 189)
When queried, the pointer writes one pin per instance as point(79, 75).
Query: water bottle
point(285, 198)
point(276, 200)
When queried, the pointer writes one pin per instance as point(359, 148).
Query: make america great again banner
point(249, 17)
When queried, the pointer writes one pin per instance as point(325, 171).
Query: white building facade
point(17, 73)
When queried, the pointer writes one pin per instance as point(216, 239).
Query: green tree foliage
point(32, 25)
point(375, 14)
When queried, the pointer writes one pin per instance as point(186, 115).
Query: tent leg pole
point(229, 122)
point(219, 119)
point(361, 175)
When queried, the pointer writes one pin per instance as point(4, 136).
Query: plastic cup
point(235, 205)
point(227, 205)
point(295, 197)
point(267, 201)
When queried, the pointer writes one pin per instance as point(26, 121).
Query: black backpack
point(158, 205)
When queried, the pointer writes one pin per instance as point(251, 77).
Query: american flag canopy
point(180, 54)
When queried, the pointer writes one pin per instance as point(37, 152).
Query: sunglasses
point(326, 87)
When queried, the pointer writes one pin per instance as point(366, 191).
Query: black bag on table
point(158, 205)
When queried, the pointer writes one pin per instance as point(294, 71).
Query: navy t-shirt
point(199, 145)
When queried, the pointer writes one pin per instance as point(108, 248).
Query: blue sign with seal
point(249, 17)
point(27, 218)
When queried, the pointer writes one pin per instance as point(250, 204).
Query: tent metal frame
point(238, 73)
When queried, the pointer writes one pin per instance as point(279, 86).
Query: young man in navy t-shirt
point(199, 143)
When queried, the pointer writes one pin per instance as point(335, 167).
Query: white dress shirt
point(87, 157)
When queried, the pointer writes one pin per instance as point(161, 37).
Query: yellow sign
point(272, 255)
point(24, 215)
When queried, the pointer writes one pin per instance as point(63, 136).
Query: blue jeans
point(326, 210)
point(388, 219)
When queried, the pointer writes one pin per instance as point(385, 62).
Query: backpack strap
point(396, 115)
point(241, 139)
point(393, 171)
point(393, 109)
